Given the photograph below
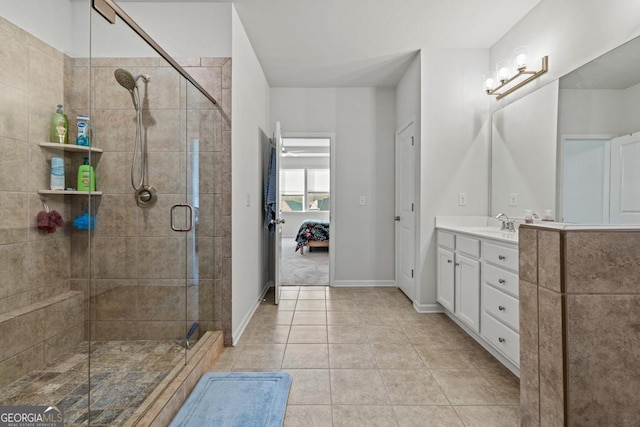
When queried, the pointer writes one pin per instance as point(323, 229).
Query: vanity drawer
point(501, 337)
point(500, 279)
point(502, 256)
point(446, 240)
point(501, 306)
point(468, 245)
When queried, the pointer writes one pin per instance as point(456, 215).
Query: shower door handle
point(189, 214)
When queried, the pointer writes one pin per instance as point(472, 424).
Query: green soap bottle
point(59, 127)
point(86, 177)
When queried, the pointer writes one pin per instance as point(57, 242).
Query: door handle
point(277, 221)
point(396, 218)
point(189, 208)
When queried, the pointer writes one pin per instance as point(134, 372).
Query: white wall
point(363, 121)
point(631, 110)
point(454, 149)
point(183, 29)
point(589, 111)
point(250, 103)
point(408, 95)
point(49, 21)
point(571, 32)
point(408, 101)
point(599, 111)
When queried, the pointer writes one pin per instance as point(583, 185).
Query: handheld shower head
point(125, 79)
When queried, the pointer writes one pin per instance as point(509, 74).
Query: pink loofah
point(49, 221)
point(43, 219)
point(55, 219)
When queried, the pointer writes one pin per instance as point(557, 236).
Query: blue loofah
point(84, 222)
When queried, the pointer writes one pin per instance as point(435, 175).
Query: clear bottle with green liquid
point(59, 127)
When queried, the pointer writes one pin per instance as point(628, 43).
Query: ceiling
point(336, 43)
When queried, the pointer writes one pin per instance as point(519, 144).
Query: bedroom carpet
point(309, 269)
point(236, 399)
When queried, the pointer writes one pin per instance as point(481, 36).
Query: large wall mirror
point(589, 121)
point(523, 154)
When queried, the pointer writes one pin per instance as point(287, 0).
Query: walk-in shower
point(95, 322)
point(145, 194)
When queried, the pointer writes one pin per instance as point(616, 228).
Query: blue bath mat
point(236, 399)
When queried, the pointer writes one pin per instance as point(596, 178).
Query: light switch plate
point(513, 199)
point(462, 199)
point(363, 200)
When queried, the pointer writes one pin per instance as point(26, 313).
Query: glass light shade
point(521, 57)
point(489, 80)
point(504, 70)
point(488, 83)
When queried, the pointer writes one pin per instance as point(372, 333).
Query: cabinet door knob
point(502, 257)
point(501, 307)
point(502, 281)
point(501, 339)
point(457, 264)
point(449, 261)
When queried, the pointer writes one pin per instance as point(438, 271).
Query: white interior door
point(278, 220)
point(625, 180)
point(405, 210)
point(585, 181)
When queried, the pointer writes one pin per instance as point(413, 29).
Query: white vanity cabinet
point(500, 306)
point(459, 277)
point(477, 283)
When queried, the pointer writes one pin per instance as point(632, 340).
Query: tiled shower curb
point(165, 401)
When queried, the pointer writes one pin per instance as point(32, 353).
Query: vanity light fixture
point(505, 80)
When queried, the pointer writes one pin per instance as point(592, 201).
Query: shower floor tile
point(122, 374)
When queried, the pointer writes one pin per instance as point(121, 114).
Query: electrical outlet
point(462, 199)
point(363, 200)
point(513, 199)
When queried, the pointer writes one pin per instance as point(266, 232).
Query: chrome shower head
point(125, 79)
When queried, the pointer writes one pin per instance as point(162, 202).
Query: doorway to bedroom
point(305, 205)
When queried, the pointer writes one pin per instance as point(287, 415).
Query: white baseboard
point(364, 283)
point(428, 308)
point(247, 318)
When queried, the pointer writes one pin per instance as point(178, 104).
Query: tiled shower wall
point(39, 316)
point(43, 276)
point(138, 262)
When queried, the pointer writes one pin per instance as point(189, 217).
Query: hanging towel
point(270, 193)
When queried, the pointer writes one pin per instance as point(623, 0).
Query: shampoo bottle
point(59, 127)
point(84, 131)
point(57, 173)
point(86, 177)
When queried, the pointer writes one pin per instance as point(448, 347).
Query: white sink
point(492, 232)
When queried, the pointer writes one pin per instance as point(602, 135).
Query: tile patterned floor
point(363, 357)
point(123, 374)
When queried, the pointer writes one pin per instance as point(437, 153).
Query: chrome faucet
point(507, 224)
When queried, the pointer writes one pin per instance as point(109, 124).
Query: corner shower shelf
point(70, 192)
point(76, 149)
point(70, 147)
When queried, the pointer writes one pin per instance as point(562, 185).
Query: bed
point(312, 233)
